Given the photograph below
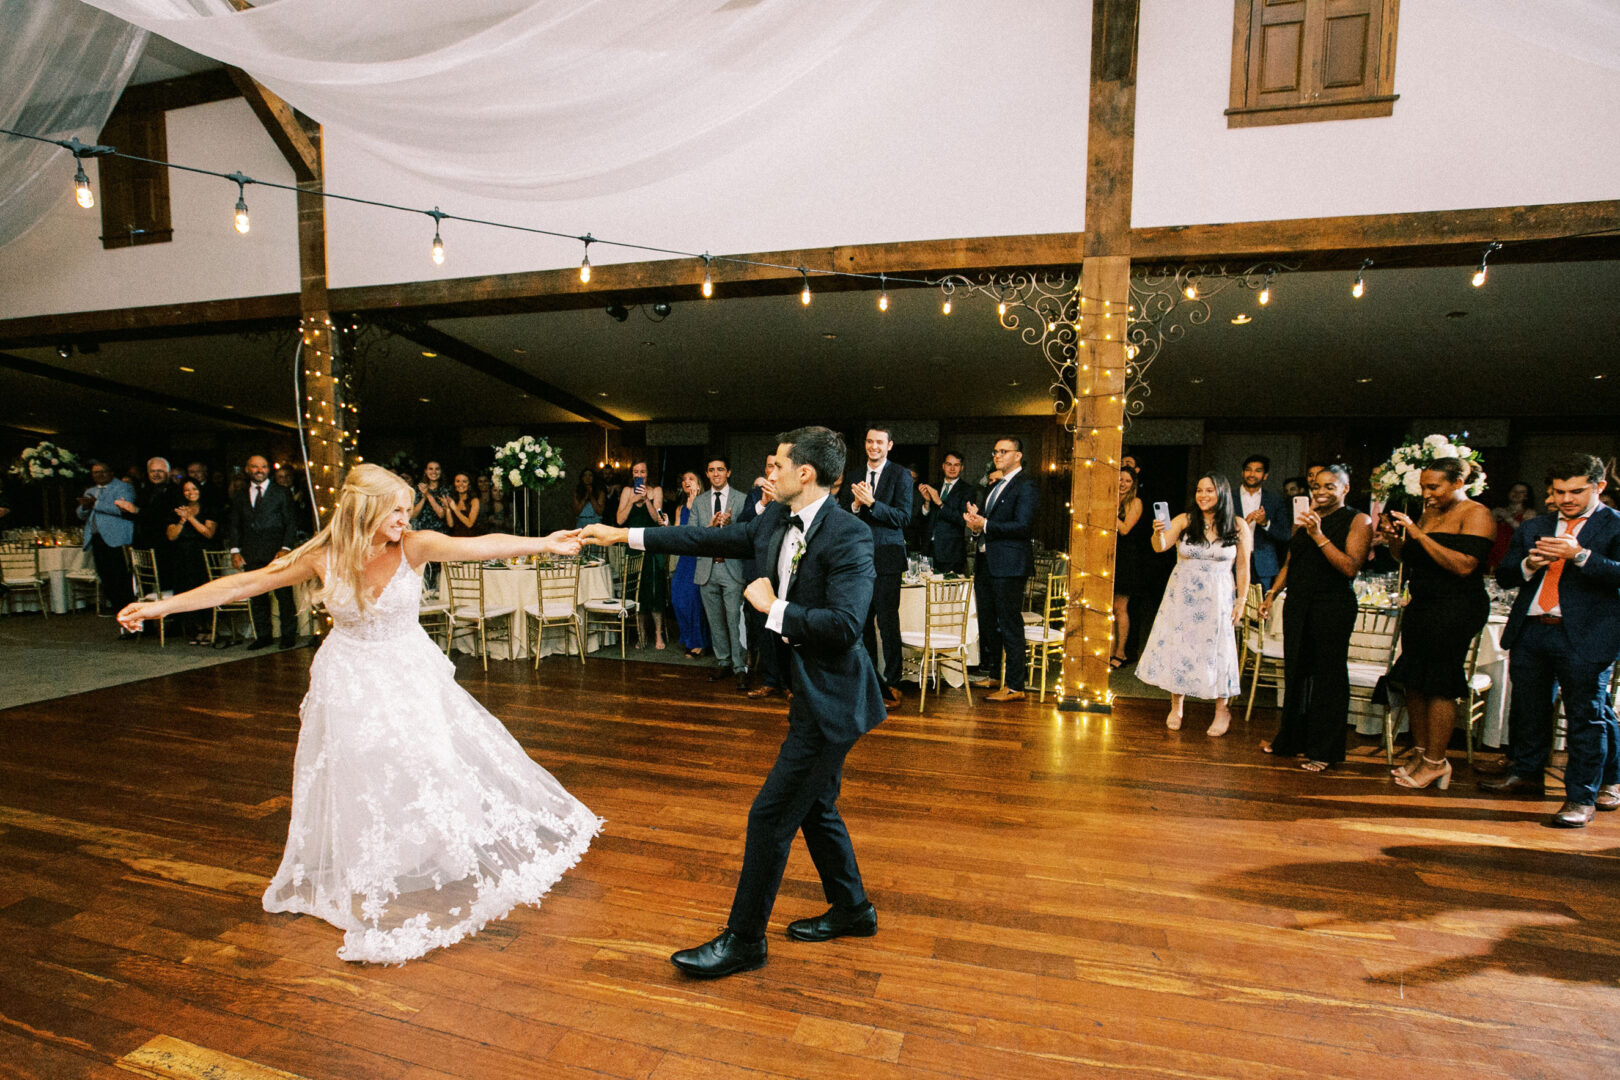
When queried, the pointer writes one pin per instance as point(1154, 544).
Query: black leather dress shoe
point(719, 673)
point(1513, 784)
point(725, 955)
point(742, 681)
point(260, 643)
point(861, 922)
point(1571, 816)
point(1608, 797)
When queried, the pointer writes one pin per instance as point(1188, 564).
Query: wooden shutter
point(1297, 60)
point(134, 196)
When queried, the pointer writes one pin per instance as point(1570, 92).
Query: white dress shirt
point(1251, 503)
point(792, 544)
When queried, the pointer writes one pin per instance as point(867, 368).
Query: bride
point(416, 817)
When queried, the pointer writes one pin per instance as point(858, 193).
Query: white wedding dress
point(416, 817)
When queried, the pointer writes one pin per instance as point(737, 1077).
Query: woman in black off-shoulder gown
point(1445, 553)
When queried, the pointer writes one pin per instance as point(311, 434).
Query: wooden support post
point(328, 424)
point(1099, 413)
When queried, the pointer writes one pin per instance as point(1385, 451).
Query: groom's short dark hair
point(820, 448)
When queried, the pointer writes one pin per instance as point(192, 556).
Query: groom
point(819, 586)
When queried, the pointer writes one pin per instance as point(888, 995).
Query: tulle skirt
point(416, 817)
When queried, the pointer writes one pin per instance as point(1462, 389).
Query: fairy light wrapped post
point(1099, 426)
point(329, 441)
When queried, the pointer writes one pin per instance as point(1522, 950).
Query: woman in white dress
point(1192, 650)
point(416, 817)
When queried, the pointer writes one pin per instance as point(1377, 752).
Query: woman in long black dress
point(1445, 552)
point(190, 534)
point(1328, 548)
point(1130, 571)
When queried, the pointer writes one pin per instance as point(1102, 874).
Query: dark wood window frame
point(134, 196)
point(1314, 93)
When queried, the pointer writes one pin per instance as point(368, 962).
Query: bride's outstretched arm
point(225, 590)
point(428, 546)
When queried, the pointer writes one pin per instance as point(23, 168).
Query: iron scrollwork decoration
point(1044, 310)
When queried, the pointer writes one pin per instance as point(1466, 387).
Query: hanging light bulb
point(1001, 308)
point(1191, 291)
point(1265, 291)
point(1360, 287)
point(585, 264)
point(438, 248)
point(883, 297)
point(241, 218)
point(81, 187)
point(804, 296)
point(1479, 275)
point(945, 308)
point(708, 281)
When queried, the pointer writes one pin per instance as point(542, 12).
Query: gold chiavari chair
point(1045, 640)
point(19, 573)
point(943, 638)
point(1373, 643)
point(556, 606)
point(615, 611)
point(1479, 685)
point(143, 564)
point(220, 564)
point(465, 581)
point(433, 613)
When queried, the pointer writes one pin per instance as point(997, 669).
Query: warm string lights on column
point(329, 437)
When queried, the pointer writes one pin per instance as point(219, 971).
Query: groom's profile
point(818, 586)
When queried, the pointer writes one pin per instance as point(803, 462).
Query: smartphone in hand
point(1161, 512)
point(1302, 503)
point(640, 482)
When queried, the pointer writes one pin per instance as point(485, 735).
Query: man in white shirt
point(1268, 520)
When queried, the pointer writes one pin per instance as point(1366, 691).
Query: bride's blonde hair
point(369, 495)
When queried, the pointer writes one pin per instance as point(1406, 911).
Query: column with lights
point(1099, 417)
point(328, 436)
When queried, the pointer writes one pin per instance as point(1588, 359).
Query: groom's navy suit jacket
point(1588, 596)
point(833, 684)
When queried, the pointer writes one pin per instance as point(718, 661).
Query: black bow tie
point(796, 522)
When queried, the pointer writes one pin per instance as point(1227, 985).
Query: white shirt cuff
point(635, 540)
point(773, 618)
point(1525, 569)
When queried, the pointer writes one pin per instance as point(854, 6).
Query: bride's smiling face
point(393, 526)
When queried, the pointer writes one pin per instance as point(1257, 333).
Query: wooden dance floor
point(1058, 897)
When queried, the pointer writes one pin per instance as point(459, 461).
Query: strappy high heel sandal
point(1412, 757)
point(1441, 777)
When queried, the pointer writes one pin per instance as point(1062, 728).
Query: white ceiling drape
point(532, 99)
point(62, 68)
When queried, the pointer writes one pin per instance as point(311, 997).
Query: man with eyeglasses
point(1564, 635)
point(1001, 536)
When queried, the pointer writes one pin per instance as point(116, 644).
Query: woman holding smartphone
point(1192, 651)
point(641, 506)
point(1328, 548)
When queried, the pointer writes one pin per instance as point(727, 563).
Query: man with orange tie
point(1564, 636)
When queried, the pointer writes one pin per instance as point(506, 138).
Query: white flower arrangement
point(1399, 477)
point(529, 463)
point(47, 462)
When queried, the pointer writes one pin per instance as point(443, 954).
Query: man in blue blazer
point(1563, 635)
point(943, 508)
point(108, 529)
point(879, 493)
point(1002, 532)
point(1270, 521)
point(815, 588)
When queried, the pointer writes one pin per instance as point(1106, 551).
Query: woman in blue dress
point(683, 591)
point(1192, 650)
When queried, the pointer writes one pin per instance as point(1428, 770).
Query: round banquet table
point(913, 614)
point(516, 587)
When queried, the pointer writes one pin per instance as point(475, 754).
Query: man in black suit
point(762, 647)
point(818, 589)
point(263, 522)
point(880, 495)
point(942, 508)
point(1272, 525)
point(1002, 534)
point(1564, 635)
point(155, 501)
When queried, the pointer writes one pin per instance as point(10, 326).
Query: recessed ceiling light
point(230, 406)
point(518, 350)
point(878, 386)
point(1013, 383)
point(713, 391)
point(1365, 379)
point(429, 355)
point(425, 401)
point(1456, 314)
point(830, 337)
point(601, 393)
point(1241, 319)
point(1597, 376)
point(649, 344)
point(189, 369)
point(1196, 379)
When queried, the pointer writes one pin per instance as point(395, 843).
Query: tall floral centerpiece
point(527, 464)
point(51, 468)
point(1397, 481)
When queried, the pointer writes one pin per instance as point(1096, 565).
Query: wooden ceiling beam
point(158, 321)
point(472, 356)
point(25, 366)
point(284, 125)
point(181, 92)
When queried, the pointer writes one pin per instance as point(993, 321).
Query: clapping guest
point(463, 506)
point(107, 531)
point(878, 491)
point(641, 506)
point(1191, 650)
point(1444, 553)
point(1267, 519)
point(942, 509)
point(1130, 563)
point(194, 526)
point(429, 513)
point(764, 660)
point(683, 590)
point(153, 508)
point(590, 498)
point(1328, 548)
point(498, 515)
point(1001, 535)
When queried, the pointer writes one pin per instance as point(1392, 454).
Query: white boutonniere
point(797, 555)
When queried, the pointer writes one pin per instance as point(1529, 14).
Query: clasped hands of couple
point(759, 592)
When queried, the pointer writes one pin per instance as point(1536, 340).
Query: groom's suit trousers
point(799, 795)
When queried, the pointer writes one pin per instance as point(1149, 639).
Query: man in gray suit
point(720, 581)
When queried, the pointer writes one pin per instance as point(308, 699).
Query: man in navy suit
point(262, 527)
point(762, 647)
point(1563, 635)
point(879, 493)
point(1264, 512)
point(816, 595)
point(1001, 535)
point(942, 507)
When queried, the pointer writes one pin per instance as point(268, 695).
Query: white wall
point(1484, 119)
point(59, 265)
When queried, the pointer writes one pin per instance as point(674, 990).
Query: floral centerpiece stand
point(527, 464)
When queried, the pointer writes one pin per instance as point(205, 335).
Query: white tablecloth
point(54, 564)
point(516, 587)
point(913, 616)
